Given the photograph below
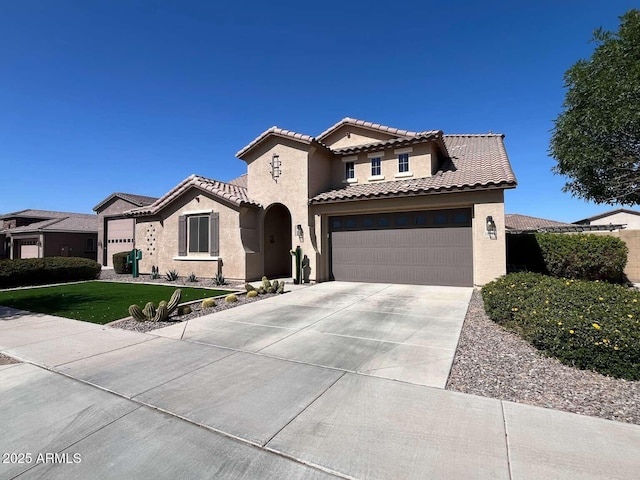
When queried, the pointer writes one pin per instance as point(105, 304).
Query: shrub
point(231, 298)
point(208, 303)
point(580, 256)
point(172, 275)
point(120, 264)
point(39, 271)
point(219, 279)
point(589, 325)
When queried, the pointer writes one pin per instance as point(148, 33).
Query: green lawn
point(96, 302)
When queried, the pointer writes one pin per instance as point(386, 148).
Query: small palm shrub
point(589, 325)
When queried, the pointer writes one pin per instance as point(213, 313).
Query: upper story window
point(403, 162)
point(198, 234)
point(376, 166)
point(349, 170)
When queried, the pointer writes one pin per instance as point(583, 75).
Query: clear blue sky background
point(134, 96)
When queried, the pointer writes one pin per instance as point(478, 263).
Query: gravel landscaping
point(197, 310)
point(5, 360)
point(493, 362)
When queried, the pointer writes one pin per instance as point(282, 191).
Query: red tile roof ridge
point(362, 123)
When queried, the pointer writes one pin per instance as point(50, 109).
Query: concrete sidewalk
point(119, 404)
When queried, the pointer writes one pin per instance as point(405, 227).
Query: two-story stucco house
point(365, 202)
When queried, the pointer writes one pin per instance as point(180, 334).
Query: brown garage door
point(119, 237)
point(422, 247)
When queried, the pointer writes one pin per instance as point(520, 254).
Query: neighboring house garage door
point(119, 237)
point(29, 249)
point(422, 247)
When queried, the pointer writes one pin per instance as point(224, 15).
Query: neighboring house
point(516, 223)
point(43, 233)
point(630, 218)
point(365, 202)
point(116, 233)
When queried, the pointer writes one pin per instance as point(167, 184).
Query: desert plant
point(252, 293)
point(261, 290)
point(151, 313)
point(231, 298)
point(266, 283)
point(184, 310)
point(249, 288)
point(280, 288)
point(155, 273)
point(192, 277)
point(172, 275)
point(208, 303)
point(219, 279)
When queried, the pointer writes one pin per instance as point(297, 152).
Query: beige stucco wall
point(632, 221)
point(157, 238)
point(349, 136)
point(292, 189)
point(422, 163)
point(489, 254)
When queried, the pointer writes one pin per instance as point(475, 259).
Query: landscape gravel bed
point(196, 309)
point(493, 362)
point(6, 360)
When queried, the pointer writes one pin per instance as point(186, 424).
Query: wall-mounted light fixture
point(490, 227)
point(275, 167)
point(299, 232)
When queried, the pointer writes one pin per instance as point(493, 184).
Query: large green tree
point(596, 139)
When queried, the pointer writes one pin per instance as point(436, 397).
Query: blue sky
point(134, 96)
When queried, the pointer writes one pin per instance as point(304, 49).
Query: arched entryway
point(277, 241)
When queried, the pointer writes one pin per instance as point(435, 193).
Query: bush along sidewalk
point(589, 325)
point(41, 271)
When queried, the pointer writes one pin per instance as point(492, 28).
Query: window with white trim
point(198, 234)
point(349, 170)
point(403, 162)
point(376, 166)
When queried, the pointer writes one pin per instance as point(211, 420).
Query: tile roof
point(75, 222)
point(280, 132)
point(137, 200)
point(477, 162)
point(30, 213)
point(361, 123)
point(514, 221)
point(226, 191)
point(395, 142)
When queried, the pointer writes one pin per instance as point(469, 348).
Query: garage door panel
point(119, 237)
point(430, 256)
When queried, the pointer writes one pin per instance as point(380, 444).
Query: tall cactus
point(161, 314)
point(174, 300)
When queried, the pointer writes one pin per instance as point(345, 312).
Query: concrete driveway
point(401, 332)
point(334, 380)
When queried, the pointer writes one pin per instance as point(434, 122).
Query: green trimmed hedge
point(39, 271)
point(589, 325)
point(120, 264)
point(578, 256)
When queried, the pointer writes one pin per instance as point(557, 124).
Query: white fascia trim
point(403, 174)
point(197, 212)
point(376, 155)
point(197, 259)
point(398, 151)
point(375, 177)
point(351, 158)
point(350, 180)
